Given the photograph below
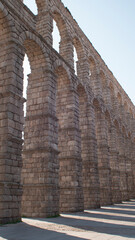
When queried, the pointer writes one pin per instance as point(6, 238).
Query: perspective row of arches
point(87, 65)
point(75, 154)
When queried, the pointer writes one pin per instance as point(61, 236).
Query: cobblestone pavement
point(111, 222)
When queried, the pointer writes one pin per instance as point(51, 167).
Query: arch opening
point(59, 34)
point(32, 68)
point(78, 57)
point(35, 130)
point(31, 4)
point(75, 59)
point(93, 75)
point(26, 71)
point(56, 37)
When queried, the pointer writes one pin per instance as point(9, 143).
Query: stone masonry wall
point(78, 150)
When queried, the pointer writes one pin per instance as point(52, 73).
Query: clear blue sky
point(110, 26)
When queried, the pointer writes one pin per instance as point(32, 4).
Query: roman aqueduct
point(79, 131)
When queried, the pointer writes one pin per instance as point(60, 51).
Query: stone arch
point(119, 97)
point(113, 157)
point(63, 94)
point(129, 153)
point(103, 78)
point(117, 125)
point(126, 106)
point(82, 106)
point(118, 132)
point(87, 89)
point(82, 92)
point(65, 45)
point(103, 150)
point(128, 115)
point(60, 64)
point(109, 125)
point(36, 52)
point(118, 129)
point(88, 151)
point(82, 103)
point(96, 104)
point(126, 110)
point(93, 67)
point(94, 77)
point(63, 84)
point(131, 112)
point(121, 138)
point(104, 87)
point(108, 116)
point(27, 35)
point(112, 93)
point(37, 61)
point(111, 87)
point(124, 131)
point(40, 146)
point(81, 63)
point(118, 107)
point(68, 145)
point(79, 47)
point(60, 23)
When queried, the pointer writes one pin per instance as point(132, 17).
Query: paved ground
point(112, 222)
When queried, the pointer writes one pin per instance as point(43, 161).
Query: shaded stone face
point(79, 132)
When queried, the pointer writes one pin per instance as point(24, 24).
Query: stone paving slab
point(111, 222)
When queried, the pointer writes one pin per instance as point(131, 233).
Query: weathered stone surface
point(79, 132)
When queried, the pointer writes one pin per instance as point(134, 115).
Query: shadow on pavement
point(118, 211)
point(98, 224)
point(97, 221)
point(23, 231)
point(109, 217)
